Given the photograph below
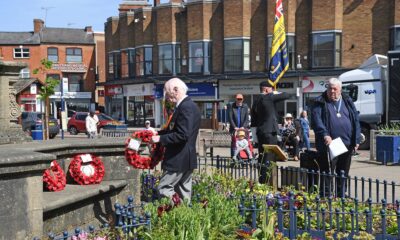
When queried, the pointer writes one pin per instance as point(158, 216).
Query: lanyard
point(339, 106)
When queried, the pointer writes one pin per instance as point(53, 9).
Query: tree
point(47, 89)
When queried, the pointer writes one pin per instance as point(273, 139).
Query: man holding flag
point(263, 113)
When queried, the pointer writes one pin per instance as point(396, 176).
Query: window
point(326, 49)
point(110, 65)
point(237, 55)
point(55, 76)
point(21, 53)
point(52, 54)
point(131, 62)
point(144, 61)
point(200, 57)
point(117, 65)
point(124, 64)
point(24, 73)
point(291, 49)
point(351, 90)
point(395, 38)
point(74, 55)
point(75, 83)
point(169, 59)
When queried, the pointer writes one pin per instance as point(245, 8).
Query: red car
point(76, 123)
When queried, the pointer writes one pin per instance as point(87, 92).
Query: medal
point(338, 115)
point(338, 109)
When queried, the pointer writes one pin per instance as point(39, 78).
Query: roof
point(19, 38)
point(48, 35)
point(66, 35)
point(23, 83)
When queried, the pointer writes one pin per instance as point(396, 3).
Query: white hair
point(176, 82)
point(335, 81)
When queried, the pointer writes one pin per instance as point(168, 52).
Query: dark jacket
point(320, 116)
point(180, 138)
point(263, 113)
point(244, 117)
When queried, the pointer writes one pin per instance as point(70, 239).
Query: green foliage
point(390, 129)
point(49, 84)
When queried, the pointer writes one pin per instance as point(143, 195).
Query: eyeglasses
point(239, 99)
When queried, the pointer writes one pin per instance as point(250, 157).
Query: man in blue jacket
point(334, 115)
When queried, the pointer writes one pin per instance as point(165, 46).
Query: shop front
point(140, 104)
point(114, 101)
point(250, 88)
point(74, 102)
point(312, 87)
point(203, 94)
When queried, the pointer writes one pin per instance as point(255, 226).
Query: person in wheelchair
point(291, 136)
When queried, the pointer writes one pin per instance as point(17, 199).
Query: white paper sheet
point(134, 144)
point(86, 158)
point(337, 147)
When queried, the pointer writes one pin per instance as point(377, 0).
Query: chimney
point(37, 25)
point(88, 29)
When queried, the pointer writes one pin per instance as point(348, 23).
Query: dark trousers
point(264, 159)
point(337, 165)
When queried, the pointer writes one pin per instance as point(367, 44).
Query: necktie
point(238, 115)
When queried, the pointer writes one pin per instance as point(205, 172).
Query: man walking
point(264, 118)
point(179, 139)
point(91, 123)
point(334, 115)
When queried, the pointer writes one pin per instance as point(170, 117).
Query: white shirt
point(151, 129)
point(91, 123)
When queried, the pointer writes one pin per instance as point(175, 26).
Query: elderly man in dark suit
point(264, 118)
point(179, 139)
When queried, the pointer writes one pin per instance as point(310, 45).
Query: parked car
point(76, 123)
point(30, 121)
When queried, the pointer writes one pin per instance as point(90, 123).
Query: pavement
point(361, 166)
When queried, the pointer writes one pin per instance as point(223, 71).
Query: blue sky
point(18, 15)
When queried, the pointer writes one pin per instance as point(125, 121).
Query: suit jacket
point(180, 138)
point(263, 113)
point(244, 117)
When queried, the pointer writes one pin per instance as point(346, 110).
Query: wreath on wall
point(54, 178)
point(86, 169)
point(132, 150)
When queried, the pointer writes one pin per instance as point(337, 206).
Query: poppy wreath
point(144, 162)
point(89, 172)
point(54, 177)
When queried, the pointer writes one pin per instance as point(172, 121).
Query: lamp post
point(299, 91)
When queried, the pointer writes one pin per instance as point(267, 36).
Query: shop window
point(21, 52)
point(144, 61)
point(169, 59)
point(200, 57)
point(237, 55)
point(25, 73)
point(326, 49)
point(74, 55)
point(52, 54)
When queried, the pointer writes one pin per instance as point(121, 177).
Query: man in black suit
point(238, 118)
point(265, 119)
point(179, 139)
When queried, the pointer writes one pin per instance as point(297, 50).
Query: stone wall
point(27, 211)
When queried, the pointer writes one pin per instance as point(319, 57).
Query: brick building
point(75, 55)
point(221, 47)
